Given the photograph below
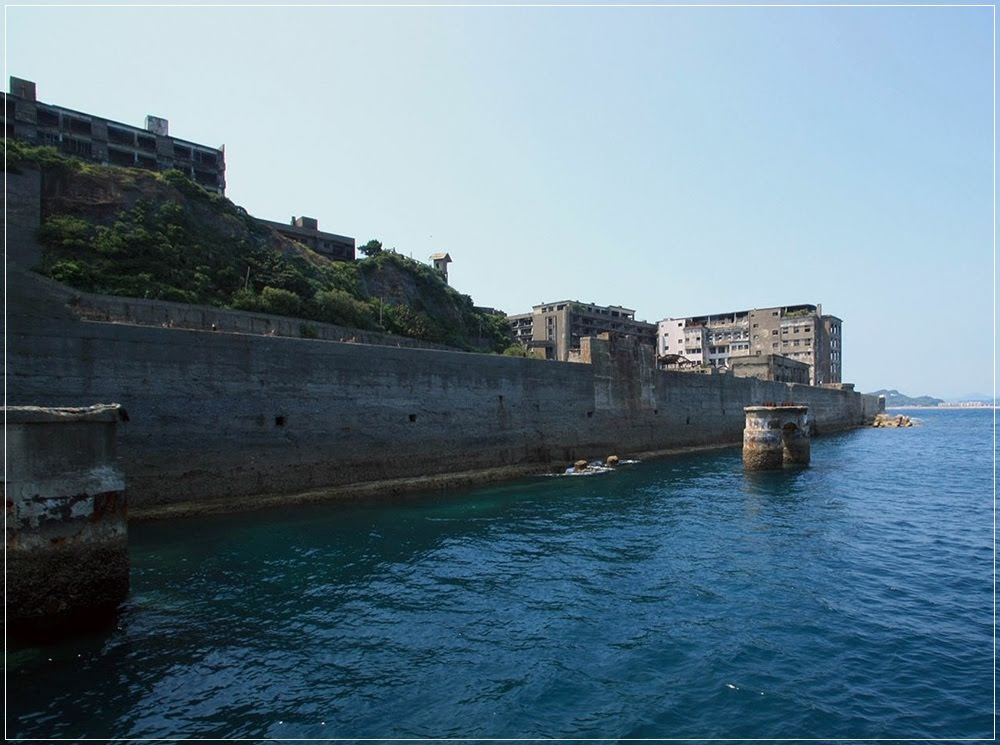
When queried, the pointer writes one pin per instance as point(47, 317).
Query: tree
point(371, 248)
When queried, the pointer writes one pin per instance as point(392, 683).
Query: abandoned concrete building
point(774, 367)
point(553, 330)
point(109, 142)
point(306, 231)
point(799, 332)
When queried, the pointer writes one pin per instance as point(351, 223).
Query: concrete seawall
point(66, 538)
point(224, 418)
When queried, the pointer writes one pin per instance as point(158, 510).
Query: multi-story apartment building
point(306, 230)
point(800, 332)
point(556, 328)
point(109, 142)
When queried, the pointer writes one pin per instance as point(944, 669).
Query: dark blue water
point(679, 598)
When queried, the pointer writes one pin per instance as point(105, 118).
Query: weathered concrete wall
point(66, 531)
point(166, 314)
point(23, 216)
point(217, 416)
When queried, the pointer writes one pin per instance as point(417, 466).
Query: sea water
point(674, 598)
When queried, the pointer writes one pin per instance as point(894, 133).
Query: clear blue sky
point(678, 161)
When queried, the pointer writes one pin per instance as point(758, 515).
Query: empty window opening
point(77, 126)
point(121, 136)
point(120, 157)
point(76, 147)
point(47, 118)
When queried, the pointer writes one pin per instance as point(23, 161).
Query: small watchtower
point(440, 262)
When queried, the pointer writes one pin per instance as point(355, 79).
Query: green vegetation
point(161, 236)
point(371, 248)
point(20, 153)
point(516, 350)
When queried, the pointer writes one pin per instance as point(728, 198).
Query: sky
point(675, 160)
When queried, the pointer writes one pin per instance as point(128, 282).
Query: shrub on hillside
point(339, 307)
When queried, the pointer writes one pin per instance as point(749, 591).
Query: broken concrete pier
point(774, 436)
point(66, 537)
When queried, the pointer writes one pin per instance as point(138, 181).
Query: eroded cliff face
point(101, 195)
point(158, 236)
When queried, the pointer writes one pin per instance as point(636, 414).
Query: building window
point(76, 147)
point(47, 118)
point(77, 126)
point(209, 159)
point(120, 136)
point(120, 157)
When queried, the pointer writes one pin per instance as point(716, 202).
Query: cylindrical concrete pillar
point(795, 437)
point(67, 540)
point(774, 436)
point(762, 446)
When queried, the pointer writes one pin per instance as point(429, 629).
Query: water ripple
point(678, 598)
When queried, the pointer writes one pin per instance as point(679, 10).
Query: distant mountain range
point(895, 398)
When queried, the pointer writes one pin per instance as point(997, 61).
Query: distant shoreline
point(944, 406)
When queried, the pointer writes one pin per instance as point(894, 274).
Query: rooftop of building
point(587, 306)
point(766, 359)
point(83, 115)
point(306, 226)
point(805, 309)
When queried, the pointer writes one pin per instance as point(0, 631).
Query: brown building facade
point(554, 330)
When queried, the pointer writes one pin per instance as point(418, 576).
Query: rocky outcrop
point(888, 420)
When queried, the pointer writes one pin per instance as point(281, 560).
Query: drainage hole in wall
point(590, 414)
point(413, 417)
point(279, 421)
point(656, 411)
point(688, 420)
